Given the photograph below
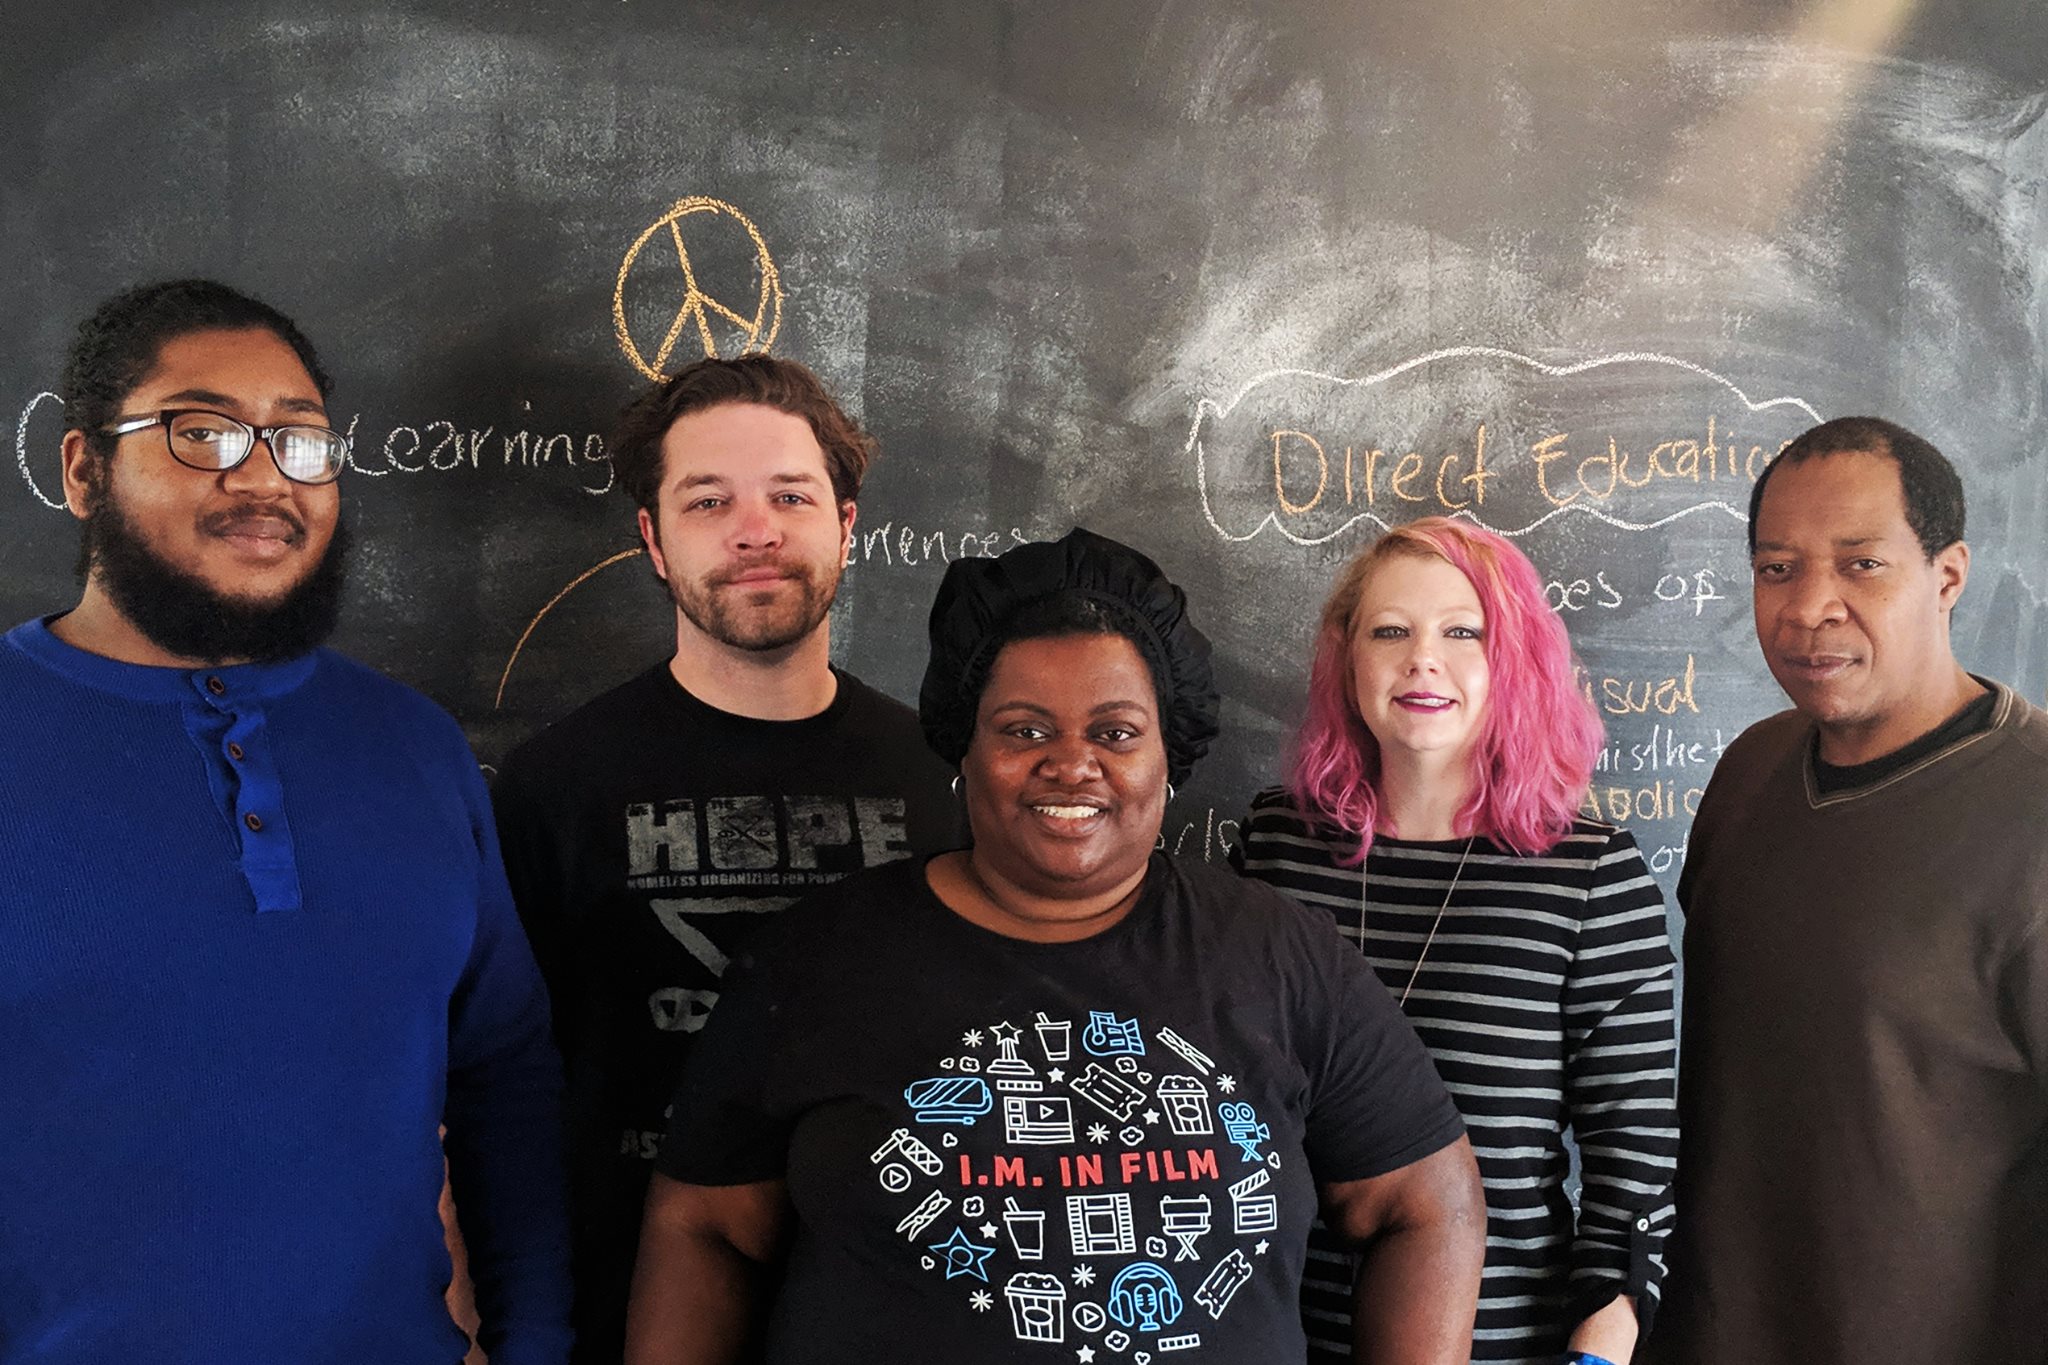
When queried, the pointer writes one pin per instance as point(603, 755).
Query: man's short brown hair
point(767, 380)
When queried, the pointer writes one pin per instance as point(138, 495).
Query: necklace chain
point(1434, 924)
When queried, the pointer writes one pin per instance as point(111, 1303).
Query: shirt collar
point(144, 682)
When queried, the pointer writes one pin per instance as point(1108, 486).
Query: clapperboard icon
point(1038, 1119)
point(1252, 1211)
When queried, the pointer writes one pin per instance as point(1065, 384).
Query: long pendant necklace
point(1434, 924)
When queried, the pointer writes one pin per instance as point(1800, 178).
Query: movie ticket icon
point(1222, 1283)
point(1108, 1092)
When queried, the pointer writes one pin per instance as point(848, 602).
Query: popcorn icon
point(1187, 1106)
point(1037, 1306)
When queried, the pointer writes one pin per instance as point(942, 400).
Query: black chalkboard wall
point(1235, 283)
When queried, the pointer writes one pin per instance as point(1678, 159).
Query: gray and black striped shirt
point(1546, 1000)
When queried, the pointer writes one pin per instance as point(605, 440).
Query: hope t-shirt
point(999, 1150)
point(646, 836)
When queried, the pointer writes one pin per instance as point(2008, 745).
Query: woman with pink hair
point(1432, 809)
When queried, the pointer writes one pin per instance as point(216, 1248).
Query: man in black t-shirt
point(648, 833)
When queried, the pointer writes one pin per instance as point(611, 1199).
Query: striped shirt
point(1545, 998)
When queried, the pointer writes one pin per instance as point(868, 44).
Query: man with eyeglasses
point(255, 939)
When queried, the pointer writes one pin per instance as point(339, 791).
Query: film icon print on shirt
point(1124, 1204)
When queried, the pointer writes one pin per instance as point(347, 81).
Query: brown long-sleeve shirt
point(1864, 1067)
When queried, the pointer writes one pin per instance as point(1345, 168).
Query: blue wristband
point(1586, 1358)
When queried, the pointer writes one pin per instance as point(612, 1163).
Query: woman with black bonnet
point(1059, 1096)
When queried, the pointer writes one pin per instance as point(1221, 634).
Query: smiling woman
point(1065, 787)
point(1432, 816)
point(978, 1067)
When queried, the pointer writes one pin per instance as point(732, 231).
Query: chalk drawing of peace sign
point(698, 314)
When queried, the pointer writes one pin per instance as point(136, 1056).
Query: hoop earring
point(956, 786)
point(1169, 791)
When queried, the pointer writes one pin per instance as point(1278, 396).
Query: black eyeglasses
point(214, 441)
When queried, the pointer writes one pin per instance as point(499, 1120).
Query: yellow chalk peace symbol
point(695, 306)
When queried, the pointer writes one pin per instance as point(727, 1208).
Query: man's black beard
point(181, 614)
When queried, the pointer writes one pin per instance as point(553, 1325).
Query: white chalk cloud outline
point(1209, 408)
point(21, 449)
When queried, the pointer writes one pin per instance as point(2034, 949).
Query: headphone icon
point(1143, 1296)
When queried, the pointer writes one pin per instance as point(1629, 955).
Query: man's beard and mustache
point(727, 615)
point(183, 615)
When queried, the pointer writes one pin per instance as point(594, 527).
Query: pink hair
point(1540, 736)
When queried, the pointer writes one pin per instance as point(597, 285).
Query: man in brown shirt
point(1864, 1079)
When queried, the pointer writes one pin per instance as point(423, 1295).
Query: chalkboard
point(1238, 284)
